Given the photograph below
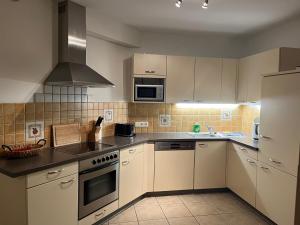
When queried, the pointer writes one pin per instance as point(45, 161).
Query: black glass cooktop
point(82, 148)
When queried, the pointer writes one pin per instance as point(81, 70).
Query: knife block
point(95, 134)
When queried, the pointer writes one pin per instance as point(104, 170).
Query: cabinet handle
point(275, 161)
point(67, 182)
point(251, 162)
point(124, 163)
point(265, 137)
point(243, 149)
point(131, 151)
point(55, 172)
point(150, 71)
point(202, 145)
point(264, 168)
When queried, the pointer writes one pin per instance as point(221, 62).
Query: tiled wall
point(182, 119)
point(13, 117)
point(249, 113)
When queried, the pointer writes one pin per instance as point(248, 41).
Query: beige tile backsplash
point(13, 118)
point(182, 119)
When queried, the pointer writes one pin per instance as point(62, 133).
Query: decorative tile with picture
point(34, 130)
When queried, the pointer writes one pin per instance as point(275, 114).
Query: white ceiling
point(225, 16)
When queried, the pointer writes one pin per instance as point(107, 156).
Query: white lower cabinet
point(131, 174)
point(148, 168)
point(55, 202)
point(174, 170)
point(241, 174)
point(276, 194)
point(210, 165)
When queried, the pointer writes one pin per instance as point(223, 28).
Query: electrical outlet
point(141, 124)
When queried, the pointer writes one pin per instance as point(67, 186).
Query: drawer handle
point(55, 172)
point(125, 163)
point(275, 161)
point(251, 162)
point(150, 71)
point(131, 151)
point(243, 149)
point(67, 182)
point(100, 214)
point(264, 168)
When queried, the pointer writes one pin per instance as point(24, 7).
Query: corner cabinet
point(149, 64)
point(207, 174)
point(251, 69)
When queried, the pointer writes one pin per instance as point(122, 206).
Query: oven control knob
point(94, 162)
point(115, 155)
point(98, 160)
point(103, 159)
point(111, 157)
point(107, 158)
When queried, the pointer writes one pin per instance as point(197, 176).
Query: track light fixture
point(178, 3)
point(205, 4)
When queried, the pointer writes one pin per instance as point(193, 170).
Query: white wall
point(109, 60)
point(27, 47)
point(209, 45)
point(285, 34)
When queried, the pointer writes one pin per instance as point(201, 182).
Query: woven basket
point(23, 151)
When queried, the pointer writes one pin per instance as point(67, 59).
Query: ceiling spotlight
point(178, 3)
point(205, 4)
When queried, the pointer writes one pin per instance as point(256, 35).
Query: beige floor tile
point(168, 200)
point(200, 209)
point(128, 215)
point(211, 220)
point(183, 221)
point(175, 210)
point(193, 198)
point(154, 222)
point(242, 219)
point(149, 213)
point(147, 202)
point(128, 223)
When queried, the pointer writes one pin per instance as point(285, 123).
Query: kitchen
point(112, 116)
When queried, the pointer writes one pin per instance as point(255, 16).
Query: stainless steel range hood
point(72, 69)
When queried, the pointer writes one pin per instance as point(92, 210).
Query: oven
point(98, 182)
point(149, 89)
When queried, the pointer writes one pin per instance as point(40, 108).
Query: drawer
point(100, 214)
point(55, 173)
point(128, 152)
point(248, 152)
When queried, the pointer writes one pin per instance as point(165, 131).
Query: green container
point(196, 128)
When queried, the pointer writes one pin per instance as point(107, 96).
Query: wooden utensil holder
point(95, 134)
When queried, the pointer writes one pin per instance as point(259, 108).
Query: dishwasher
point(174, 165)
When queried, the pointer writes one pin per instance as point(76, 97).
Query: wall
point(284, 34)
point(207, 45)
point(249, 113)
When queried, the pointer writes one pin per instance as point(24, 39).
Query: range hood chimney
point(72, 69)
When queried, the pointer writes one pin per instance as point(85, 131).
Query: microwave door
point(149, 92)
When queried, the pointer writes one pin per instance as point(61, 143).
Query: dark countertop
point(50, 158)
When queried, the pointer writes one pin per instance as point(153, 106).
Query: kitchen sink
point(204, 135)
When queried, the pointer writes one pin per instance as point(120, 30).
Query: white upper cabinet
point(280, 123)
point(229, 80)
point(149, 64)
point(208, 79)
point(252, 68)
point(180, 79)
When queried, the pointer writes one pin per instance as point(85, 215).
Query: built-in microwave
point(149, 89)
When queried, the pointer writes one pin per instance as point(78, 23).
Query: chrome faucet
point(210, 130)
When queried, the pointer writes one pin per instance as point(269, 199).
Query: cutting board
point(66, 134)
